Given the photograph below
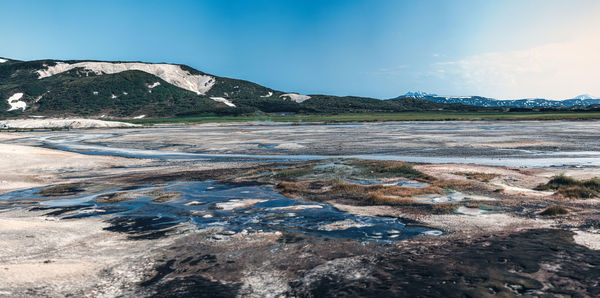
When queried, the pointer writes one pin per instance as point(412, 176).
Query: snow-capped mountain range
point(580, 100)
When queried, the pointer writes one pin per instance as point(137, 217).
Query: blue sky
point(502, 49)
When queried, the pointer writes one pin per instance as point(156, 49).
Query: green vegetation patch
point(377, 117)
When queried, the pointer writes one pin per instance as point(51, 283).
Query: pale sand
point(483, 223)
point(83, 260)
point(63, 123)
point(516, 144)
point(513, 181)
point(27, 167)
point(588, 239)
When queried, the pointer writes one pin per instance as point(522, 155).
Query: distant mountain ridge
point(580, 100)
point(91, 88)
point(137, 89)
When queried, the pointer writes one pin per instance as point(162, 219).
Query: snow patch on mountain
point(584, 97)
point(2, 60)
point(16, 103)
point(268, 94)
point(154, 85)
point(223, 100)
point(417, 94)
point(295, 97)
point(173, 74)
point(582, 100)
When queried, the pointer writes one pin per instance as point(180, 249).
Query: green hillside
point(126, 94)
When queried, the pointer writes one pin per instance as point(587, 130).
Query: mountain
point(137, 89)
point(583, 97)
point(581, 100)
point(417, 94)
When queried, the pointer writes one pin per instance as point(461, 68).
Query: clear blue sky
point(504, 49)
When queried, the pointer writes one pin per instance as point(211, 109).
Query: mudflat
point(269, 209)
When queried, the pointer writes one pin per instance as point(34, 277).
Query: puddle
point(450, 198)
point(26, 194)
point(265, 146)
point(236, 208)
point(331, 165)
point(471, 211)
point(400, 182)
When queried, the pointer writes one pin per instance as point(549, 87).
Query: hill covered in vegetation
point(136, 89)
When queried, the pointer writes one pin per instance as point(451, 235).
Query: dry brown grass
point(454, 184)
point(483, 177)
point(381, 199)
point(379, 168)
point(343, 187)
point(368, 194)
point(292, 187)
point(576, 192)
point(61, 190)
point(292, 173)
point(568, 187)
point(444, 208)
point(554, 211)
point(166, 197)
point(477, 203)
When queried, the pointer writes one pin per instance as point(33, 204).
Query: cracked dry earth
point(116, 225)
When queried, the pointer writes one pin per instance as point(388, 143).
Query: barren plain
point(420, 209)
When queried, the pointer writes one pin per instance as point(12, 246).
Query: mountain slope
point(130, 89)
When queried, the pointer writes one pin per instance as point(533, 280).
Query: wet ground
point(234, 209)
point(526, 143)
point(265, 209)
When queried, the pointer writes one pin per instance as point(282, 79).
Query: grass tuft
point(483, 177)
point(386, 169)
point(572, 188)
point(444, 208)
point(554, 211)
point(577, 191)
point(292, 173)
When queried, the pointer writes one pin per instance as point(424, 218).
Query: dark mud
point(538, 262)
point(542, 263)
point(62, 190)
point(144, 228)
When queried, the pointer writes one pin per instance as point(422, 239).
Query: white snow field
point(295, 97)
point(224, 100)
point(16, 103)
point(173, 74)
